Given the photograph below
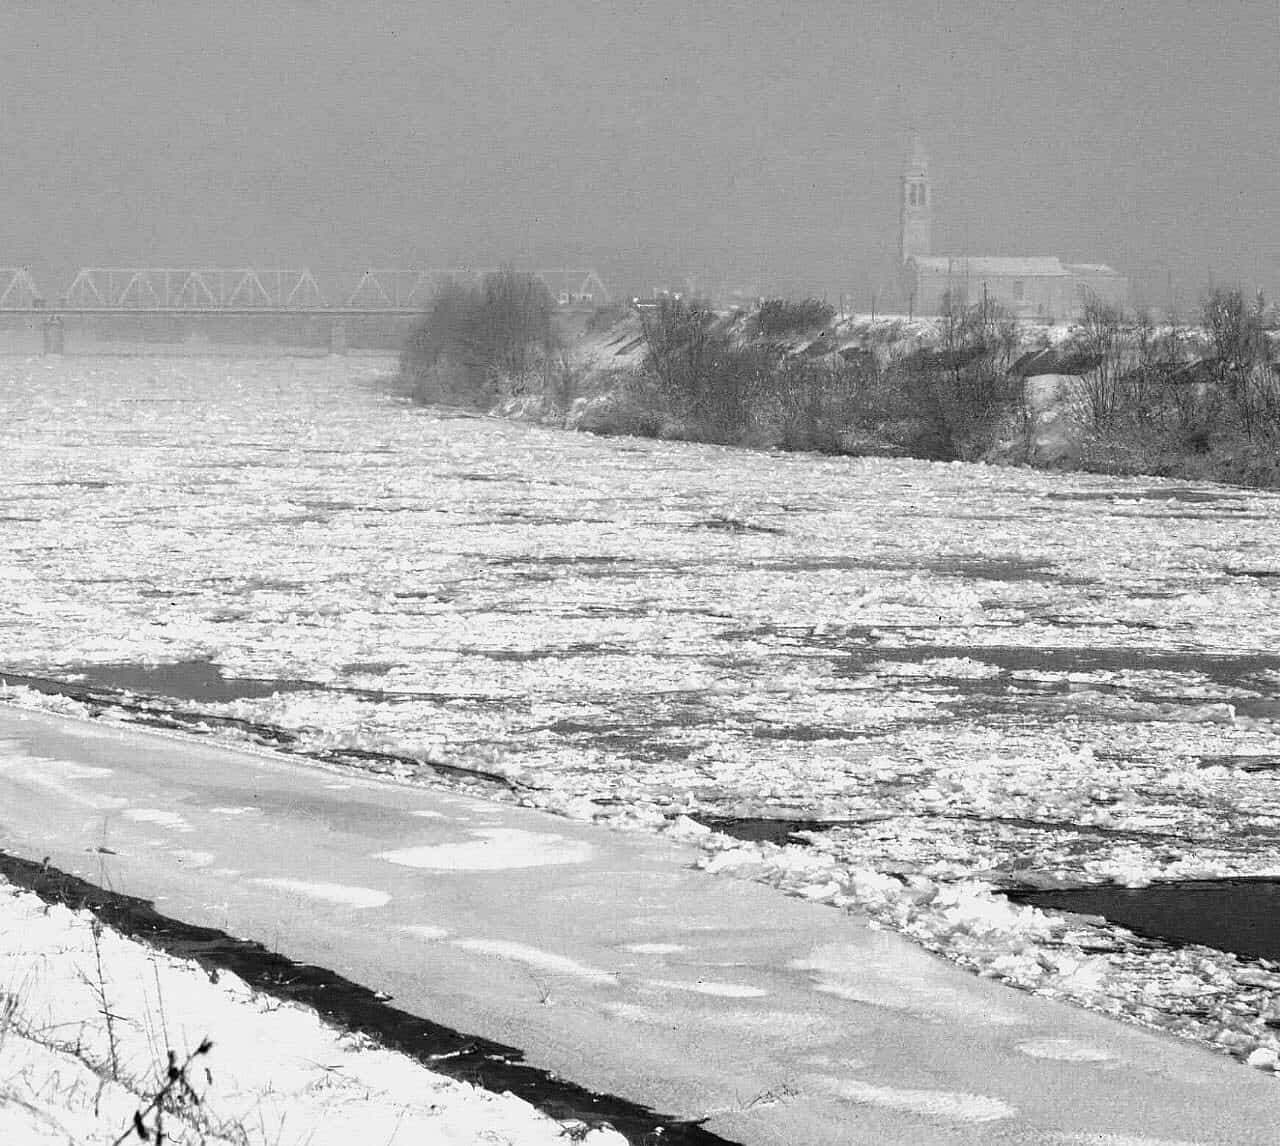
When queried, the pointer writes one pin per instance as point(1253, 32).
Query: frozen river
point(994, 676)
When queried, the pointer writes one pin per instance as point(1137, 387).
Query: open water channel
point(949, 679)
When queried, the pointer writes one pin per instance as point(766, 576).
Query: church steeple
point(916, 218)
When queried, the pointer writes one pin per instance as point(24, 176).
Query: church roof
point(978, 265)
point(992, 266)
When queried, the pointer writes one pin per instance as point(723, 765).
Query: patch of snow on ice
point(233, 811)
point(633, 1013)
point(653, 948)
point(829, 1063)
point(59, 787)
point(428, 814)
point(888, 972)
point(954, 1106)
point(425, 931)
point(535, 957)
point(328, 892)
point(497, 849)
point(191, 858)
point(701, 987)
point(159, 817)
point(73, 770)
point(1064, 1050)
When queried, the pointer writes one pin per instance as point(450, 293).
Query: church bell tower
point(916, 217)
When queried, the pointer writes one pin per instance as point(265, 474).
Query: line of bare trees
point(1216, 378)
point(1147, 393)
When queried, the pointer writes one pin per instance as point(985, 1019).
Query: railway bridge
point(103, 294)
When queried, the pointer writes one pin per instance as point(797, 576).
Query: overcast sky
point(755, 143)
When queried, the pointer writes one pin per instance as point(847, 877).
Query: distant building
point(1041, 287)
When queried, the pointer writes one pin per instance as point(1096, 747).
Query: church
point(1039, 287)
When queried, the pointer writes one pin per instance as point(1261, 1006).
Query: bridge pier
point(337, 336)
point(54, 335)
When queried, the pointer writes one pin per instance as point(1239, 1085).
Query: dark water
point(1237, 915)
point(1258, 762)
point(469, 1058)
point(769, 831)
point(1184, 494)
point(1241, 916)
point(184, 680)
point(159, 711)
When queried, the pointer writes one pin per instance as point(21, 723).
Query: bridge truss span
point(18, 290)
point(413, 288)
point(408, 288)
point(193, 288)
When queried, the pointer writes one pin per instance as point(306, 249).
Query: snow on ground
point(275, 1073)
point(995, 675)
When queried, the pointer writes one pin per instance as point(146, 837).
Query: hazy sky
point(745, 143)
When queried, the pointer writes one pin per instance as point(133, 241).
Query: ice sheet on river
point(1012, 676)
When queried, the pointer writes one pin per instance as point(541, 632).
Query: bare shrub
point(633, 405)
point(477, 343)
point(778, 316)
point(1237, 335)
point(174, 1093)
point(707, 375)
point(816, 402)
point(956, 399)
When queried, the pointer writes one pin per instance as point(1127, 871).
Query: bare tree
point(1103, 340)
point(1239, 345)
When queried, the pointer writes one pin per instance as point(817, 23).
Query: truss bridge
point(251, 290)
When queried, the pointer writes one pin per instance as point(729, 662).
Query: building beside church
point(1039, 287)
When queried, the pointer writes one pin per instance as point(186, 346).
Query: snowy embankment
point(993, 677)
point(87, 1019)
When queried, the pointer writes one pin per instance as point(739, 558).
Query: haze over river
point(1001, 676)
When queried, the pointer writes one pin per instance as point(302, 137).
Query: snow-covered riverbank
point(272, 1073)
point(1001, 676)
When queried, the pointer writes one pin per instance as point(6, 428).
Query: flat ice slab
point(603, 955)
